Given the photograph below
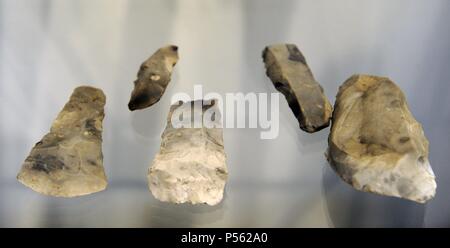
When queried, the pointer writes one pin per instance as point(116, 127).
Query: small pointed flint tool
point(153, 77)
point(287, 68)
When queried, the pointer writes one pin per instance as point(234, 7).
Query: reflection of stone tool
point(153, 78)
point(68, 161)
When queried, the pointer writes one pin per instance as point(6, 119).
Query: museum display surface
point(386, 134)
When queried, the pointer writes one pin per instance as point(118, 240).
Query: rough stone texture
point(290, 74)
point(375, 143)
point(190, 166)
point(153, 78)
point(68, 161)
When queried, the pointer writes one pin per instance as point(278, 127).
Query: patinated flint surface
point(191, 164)
point(289, 72)
point(375, 143)
point(153, 78)
point(68, 161)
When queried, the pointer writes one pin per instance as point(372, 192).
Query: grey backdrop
point(49, 47)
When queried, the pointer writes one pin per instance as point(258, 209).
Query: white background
point(47, 48)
